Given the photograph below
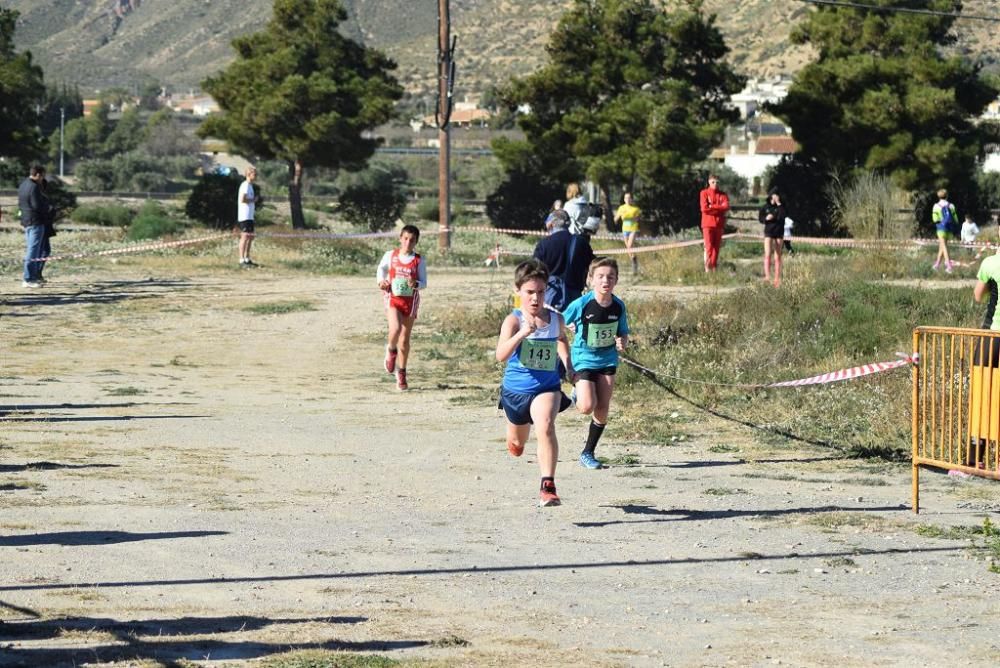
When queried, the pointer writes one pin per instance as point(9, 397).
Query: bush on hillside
point(106, 215)
point(151, 223)
point(213, 200)
point(868, 207)
point(373, 198)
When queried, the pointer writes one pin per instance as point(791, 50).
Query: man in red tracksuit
point(714, 205)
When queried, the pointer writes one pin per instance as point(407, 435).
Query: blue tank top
point(534, 366)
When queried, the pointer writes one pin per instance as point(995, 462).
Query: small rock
point(819, 570)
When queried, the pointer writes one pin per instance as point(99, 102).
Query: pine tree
point(631, 94)
point(886, 94)
point(22, 91)
point(301, 92)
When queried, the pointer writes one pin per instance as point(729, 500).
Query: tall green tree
point(22, 92)
point(886, 95)
point(631, 93)
point(301, 92)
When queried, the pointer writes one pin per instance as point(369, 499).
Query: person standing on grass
point(787, 241)
point(401, 275)
point(714, 207)
point(532, 343)
point(772, 217)
point(969, 230)
point(36, 217)
point(628, 213)
point(246, 206)
point(601, 331)
point(945, 219)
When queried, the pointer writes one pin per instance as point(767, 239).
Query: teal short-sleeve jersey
point(596, 327)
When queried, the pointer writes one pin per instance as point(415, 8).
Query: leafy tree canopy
point(301, 92)
point(22, 91)
point(630, 92)
point(883, 96)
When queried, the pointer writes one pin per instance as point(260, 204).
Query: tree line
point(634, 95)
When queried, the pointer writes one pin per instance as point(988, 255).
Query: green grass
point(281, 308)
point(723, 491)
point(329, 659)
point(125, 392)
point(152, 222)
point(830, 319)
point(110, 215)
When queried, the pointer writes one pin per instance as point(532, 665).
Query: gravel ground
point(181, 479)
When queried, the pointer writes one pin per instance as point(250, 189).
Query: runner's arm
point(421, 274)
point(511, 335)
point(979, 291)
point(562, 347)
point(382, 273)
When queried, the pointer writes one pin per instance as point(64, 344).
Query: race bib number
point(601, 336)
point(401, 287)
point(538, 355)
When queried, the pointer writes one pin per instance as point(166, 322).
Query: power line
point(901, 10)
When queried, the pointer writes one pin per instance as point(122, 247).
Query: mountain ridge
point(181, 42)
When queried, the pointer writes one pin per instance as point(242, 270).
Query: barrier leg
point(916, 489)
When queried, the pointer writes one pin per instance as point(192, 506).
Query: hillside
point(104, 43)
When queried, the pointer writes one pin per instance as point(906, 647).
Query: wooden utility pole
point(446, 81)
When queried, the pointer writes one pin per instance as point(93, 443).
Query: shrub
point(110, 215)
point(62, 200)
point(670, 205)
point(95, 174)
point(148, 182)
point(374, 198)
point(428, 209)
point(151, 223)
point(867, 207)
point(213, 200)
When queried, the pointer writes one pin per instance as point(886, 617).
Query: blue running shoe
point(589, 461)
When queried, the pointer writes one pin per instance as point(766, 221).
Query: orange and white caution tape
point(822, 379)
point(138, 248)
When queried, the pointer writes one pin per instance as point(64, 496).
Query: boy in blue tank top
point(533, 343)
point(600, 329)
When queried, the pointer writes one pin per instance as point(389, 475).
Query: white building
point(759, 92)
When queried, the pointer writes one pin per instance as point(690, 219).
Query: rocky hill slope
point(104, 43)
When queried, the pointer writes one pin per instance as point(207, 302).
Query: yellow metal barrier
point(956, 402)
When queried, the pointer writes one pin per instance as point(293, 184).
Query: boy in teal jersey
point(600, 326)
point(532, 343)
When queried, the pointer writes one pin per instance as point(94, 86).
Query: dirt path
point(182, 479)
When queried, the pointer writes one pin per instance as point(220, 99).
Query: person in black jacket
point(567, 257)
point(36, 216)
point(772, 216)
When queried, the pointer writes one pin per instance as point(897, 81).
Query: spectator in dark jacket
point(36, 216)
point(567, 257)
point(772, 216)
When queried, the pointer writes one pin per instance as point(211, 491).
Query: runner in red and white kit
point(401, 275)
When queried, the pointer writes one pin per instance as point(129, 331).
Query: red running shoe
point(390, 359)
point(548, 496)
point(514, 449)
point(401, 379)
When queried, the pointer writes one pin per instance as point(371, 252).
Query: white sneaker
point(30, 284)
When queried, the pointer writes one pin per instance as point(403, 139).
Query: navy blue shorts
point(517, 406)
